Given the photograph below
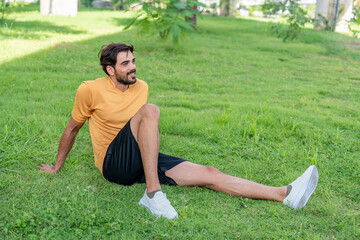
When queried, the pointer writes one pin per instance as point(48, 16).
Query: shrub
point(7, 7)
point(356, 15)
point(166, 18)
point(295, 15)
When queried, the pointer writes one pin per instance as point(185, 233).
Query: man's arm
point(66, 142)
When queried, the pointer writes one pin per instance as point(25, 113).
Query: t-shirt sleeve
point(147, 92)
point(82, 106)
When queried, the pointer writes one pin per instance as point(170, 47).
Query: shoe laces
point(161, 198)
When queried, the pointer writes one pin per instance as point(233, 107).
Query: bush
point(166, 17)
point(86, 3)
point(7, 7)
point(356, 15)
point(295, 15)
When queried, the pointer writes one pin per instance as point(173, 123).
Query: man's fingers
point(43, 166)
point(46, 168)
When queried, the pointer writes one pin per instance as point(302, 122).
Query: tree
point(166, 18)
point(227, 8)
point(333, 15)
point(119, 4)
point(86, 3)
point(193, 18)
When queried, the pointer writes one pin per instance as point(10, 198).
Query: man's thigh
point(146, 111)
point(122, 163)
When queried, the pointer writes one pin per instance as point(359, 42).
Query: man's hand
point(47, 168)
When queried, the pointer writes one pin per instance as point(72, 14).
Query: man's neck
point(120, 86)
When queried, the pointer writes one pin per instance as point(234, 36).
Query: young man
point(125, 138)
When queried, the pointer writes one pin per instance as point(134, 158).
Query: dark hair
point(108, 54)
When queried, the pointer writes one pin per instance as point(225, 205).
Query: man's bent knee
point(150, 111)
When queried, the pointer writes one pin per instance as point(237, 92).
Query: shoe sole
point(311, 184)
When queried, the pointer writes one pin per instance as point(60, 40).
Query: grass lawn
point(232, 97)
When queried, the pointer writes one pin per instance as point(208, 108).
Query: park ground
point(232, 96)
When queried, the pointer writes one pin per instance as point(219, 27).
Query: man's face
point(125, 69)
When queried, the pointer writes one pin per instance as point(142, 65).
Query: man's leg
point(144, 126)
point(294, 195)
point(191, 174)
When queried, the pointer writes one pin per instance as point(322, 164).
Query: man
point(125, 138)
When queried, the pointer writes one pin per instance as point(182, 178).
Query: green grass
point(232, 97)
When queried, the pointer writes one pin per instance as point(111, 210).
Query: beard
point(125, 79)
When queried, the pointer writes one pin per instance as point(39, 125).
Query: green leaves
point(296, 17)
point(175, 31)
point(6, 7)
point(166, 18)
point(180, 5)
point(356, 15)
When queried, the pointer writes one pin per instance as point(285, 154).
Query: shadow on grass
point(120, 21)
point(33, 29)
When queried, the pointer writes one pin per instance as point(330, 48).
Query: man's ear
point(110, 70)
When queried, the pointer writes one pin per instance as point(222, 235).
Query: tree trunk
point(224, 7)
point(3, 12)
point(331, 11)
point(344, 16)
point(119, 5)
point(227, 8)
point(193, 19)
point(59, 7)
point(232, 8)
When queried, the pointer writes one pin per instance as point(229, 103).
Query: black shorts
point(123, 164)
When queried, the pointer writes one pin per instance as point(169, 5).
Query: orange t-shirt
point(108, 110)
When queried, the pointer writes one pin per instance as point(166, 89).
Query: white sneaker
point(159, 205)
point(302, 188)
